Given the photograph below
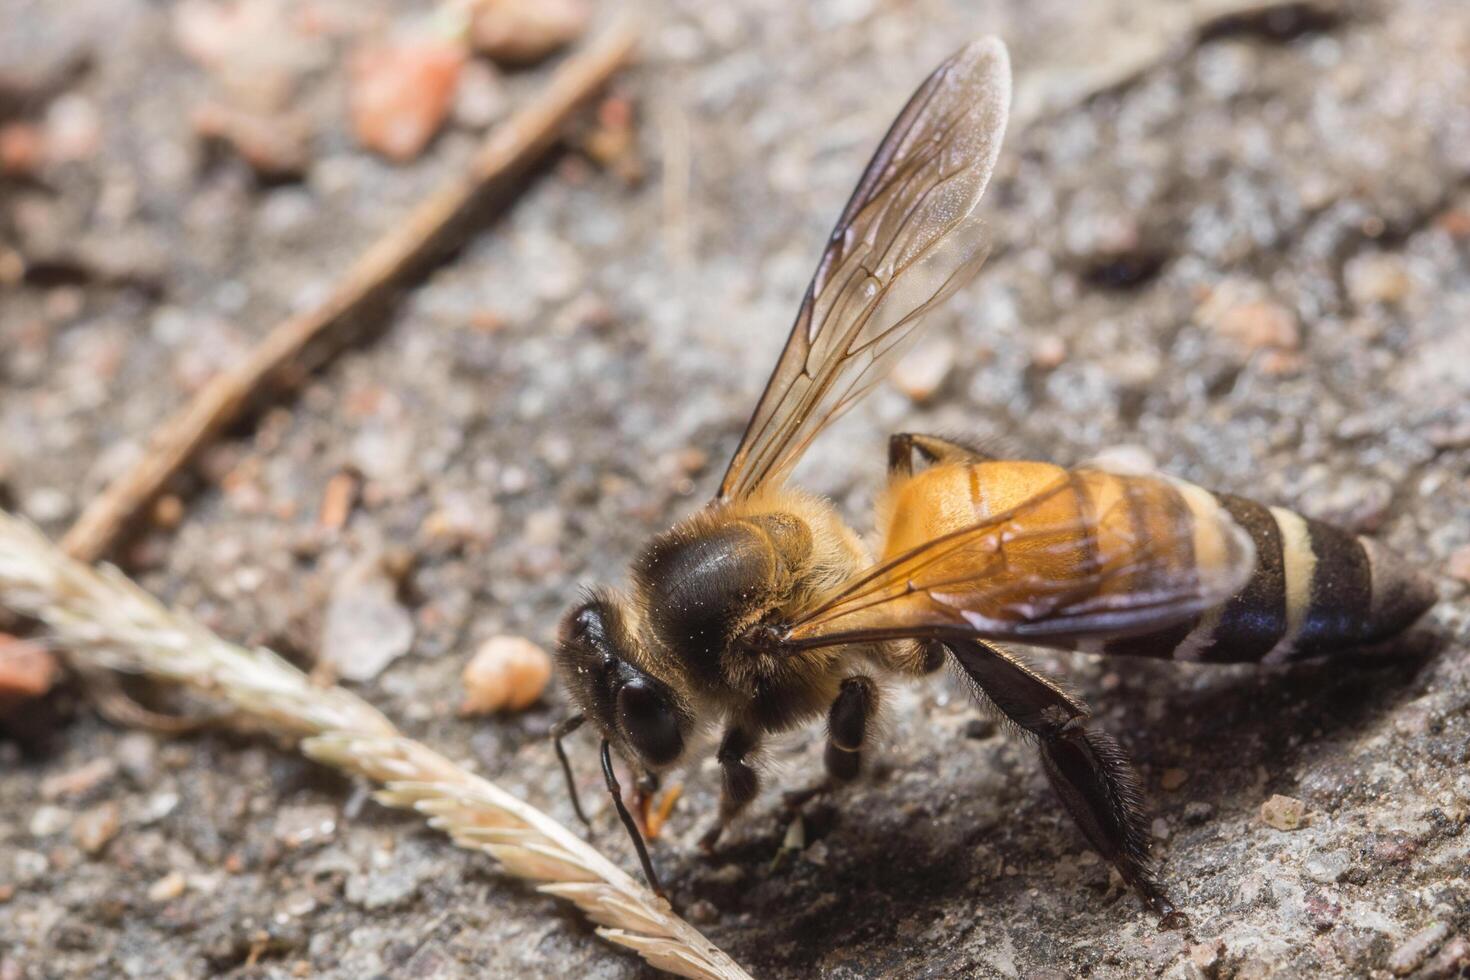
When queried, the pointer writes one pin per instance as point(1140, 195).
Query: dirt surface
point(1249, 260)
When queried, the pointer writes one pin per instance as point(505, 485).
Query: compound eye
point(649, 722)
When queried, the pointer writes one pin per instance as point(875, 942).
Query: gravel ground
point(1247, 260)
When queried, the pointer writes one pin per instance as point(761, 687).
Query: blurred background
point(1233, 241)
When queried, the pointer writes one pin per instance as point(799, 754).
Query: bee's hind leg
point(1088, 769)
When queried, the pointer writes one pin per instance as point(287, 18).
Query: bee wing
point(1087, 557)
point(904, 243)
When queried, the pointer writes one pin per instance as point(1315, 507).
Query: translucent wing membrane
point(905, 242)
point(1090, 556)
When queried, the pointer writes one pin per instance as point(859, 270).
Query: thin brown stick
point(506, 155)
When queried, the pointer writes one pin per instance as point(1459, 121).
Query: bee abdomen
point(1316, 589)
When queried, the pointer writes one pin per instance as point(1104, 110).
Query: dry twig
point(506, 155)
point(104, 618)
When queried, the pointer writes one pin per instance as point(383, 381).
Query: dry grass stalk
point(103, 617)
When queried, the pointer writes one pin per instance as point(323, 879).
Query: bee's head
point(599, 659)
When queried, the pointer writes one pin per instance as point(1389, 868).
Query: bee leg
point(644, 790)
point(847, 732)
point(847, 728)
point(1088, 769)
point(741, 781)
point(560, 731)
point(917, 658)
point(904, 446)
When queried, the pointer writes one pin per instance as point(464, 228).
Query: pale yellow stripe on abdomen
point(1299, 563)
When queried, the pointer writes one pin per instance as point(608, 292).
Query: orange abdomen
point(1080, 536)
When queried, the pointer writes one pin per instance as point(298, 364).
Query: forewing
point(1091, 556)
point(906, 241)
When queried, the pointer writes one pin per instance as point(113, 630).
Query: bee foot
point(1173, 921)
point(798, 798)
point(710, 838)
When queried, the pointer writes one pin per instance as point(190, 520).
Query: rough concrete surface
point(1248, 260)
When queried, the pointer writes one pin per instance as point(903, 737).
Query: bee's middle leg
point(740, 781)
point(847, 728)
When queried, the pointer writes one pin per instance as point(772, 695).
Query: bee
point(764, 610)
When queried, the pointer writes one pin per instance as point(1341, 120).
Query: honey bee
point(764, 610)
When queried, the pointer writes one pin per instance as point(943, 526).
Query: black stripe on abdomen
point(1250, 624)
point(1342, 593)
point(1312, 592)
point(1254, 619)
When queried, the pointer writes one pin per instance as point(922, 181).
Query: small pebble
point(365, 627)
point(1261, 324)
point(1048, 353)
point(73, 128)
point(523, 32)
point(923, 371)
point(507, 673)
point(1376, 278)
point(1206, 955)
point(1322, 911)
point(78, 782)
point(299, 903)
point(460, 520)
point(702, 911)
point(338, 500)
point(1452, 960)
point(795, 839)
point(543, 528)
point(401, 93)
point(1414, 951)
point(276, 146)
point(167, 888)
point(1327, 867)
point(22, 149)
point(95, 828)
point(1198, 811)
point(47, 820)
point(297, 826)
point(1283, 812)
point(613, 144)
point(27, 670)
point(1459, 563)
point(481, 98)
point(168, 511)
point(1172, 779)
